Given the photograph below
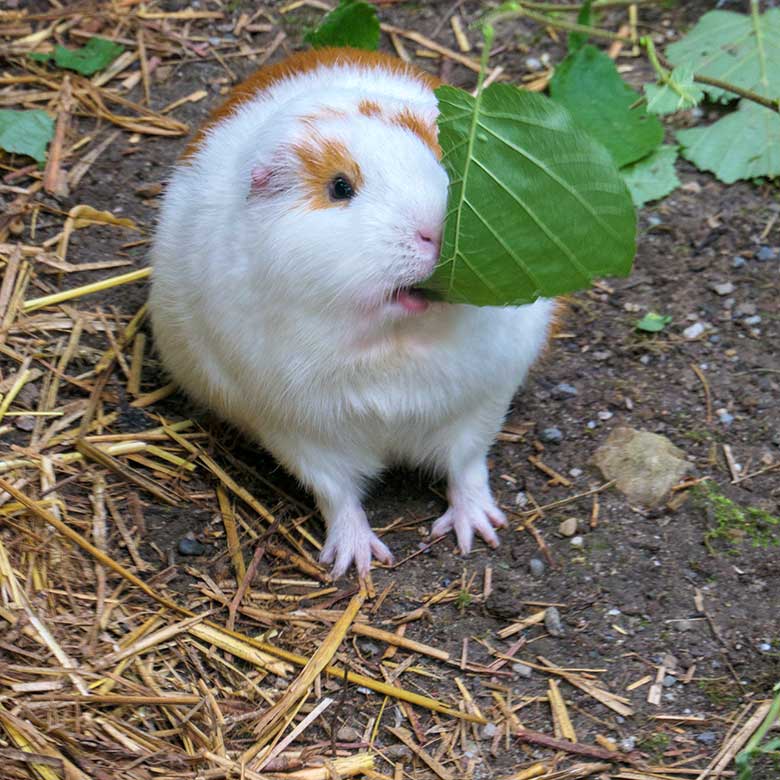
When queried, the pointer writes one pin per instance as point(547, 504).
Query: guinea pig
point(292, 236)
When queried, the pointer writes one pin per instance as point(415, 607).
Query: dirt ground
point(643, 589)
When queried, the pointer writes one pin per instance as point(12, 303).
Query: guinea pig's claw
point(467, 519)
point(358, 547)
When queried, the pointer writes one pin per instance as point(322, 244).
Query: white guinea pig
point(291, 237)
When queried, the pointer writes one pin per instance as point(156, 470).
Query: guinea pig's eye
point(340, 188)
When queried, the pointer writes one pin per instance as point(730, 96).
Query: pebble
point(725, 417)
point(669, 681)
point(575, 472)
point(754, 320)
point(766, 253)
point(654, 221)
point(577, 541)
point(489, 730)
point(693, 331)
point(564, 390)
point(189, 545)
point(628, 744)
point(532, 63)
point(738, 262)
point(765, 647)
point(707, 738)
point(746, 310)
point(551, 436)
point(568, 527)
point(684, 625)
point(348, 734)
point(605, 415)
point(398, 752)
point(536, 565)
point(592, 424)
point(521, 499)
point(522, 670)
point(724, 288)
point(552, 622)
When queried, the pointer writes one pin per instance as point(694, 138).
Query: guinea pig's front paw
point(351, 540)
point(465, 518)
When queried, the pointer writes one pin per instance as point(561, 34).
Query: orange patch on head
point(305, 62)
point(425, 131)
point(369, 108)
point(322, 161)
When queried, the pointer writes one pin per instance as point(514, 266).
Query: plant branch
point(572, 7)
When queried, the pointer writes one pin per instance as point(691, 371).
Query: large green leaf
point(95, 55)
point(536, 207)
point(742, 50)
point(26, 132)
point(652, 177)
point(588, 84)
point(742, 145)
point(351, 23)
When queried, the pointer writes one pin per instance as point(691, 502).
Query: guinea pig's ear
point(268, 179)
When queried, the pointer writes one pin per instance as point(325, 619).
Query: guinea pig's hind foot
point(469, 515)
point(351, 540)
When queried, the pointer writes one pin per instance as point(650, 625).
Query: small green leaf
point(26, 132)
point(653, 323)
point(742, 145)
point(351, 23)
point(676, 94)
point(652, 177)
point(536, 207)
point(578, 39)
point(588, 84)
point(95, 55)
point(742, 50)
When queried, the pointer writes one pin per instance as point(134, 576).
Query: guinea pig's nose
point(429, 240)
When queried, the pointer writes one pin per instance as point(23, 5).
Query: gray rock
point(551, 436)
point(398, 752)
point(767, 253)
point(577, 541)
point(564, 390)
point(628, 744)
point(694, 331)
point(489, 730)
point(669, 681)
point(522, 670)
point(725, 417)
point(684, 625)
point(738, 262)
point(348, 734)
point(753, 320)
point(552, 622)
point(708, 738)
point(723, 288)
point(644, 465)
point(536, 565)
point(189, 545)
point(746, 310)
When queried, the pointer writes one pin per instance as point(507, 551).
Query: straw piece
point(561, 720)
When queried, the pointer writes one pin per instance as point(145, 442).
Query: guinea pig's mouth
point(412, 300)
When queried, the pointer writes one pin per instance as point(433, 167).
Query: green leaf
point(652, 177)
point(536, 207)
point(26, 132)
point(653, 323)
point(351, 23)
point(742, 145)
point(95, 55)
point(676, 94)
point(588, 84)
point(578, 39)
point(742, 50)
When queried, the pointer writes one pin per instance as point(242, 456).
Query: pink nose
point(429, 241)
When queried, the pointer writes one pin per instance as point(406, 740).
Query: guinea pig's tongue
point(412, 300)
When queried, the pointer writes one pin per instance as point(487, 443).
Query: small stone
point(348, 734)
point(708, 738)
point(532, 63)
point(489, 730)
point(693, 331)
point(746, 310)
point(714, 339)
point(398, 752)
point(536, 565)
point(738, 262)
point(754, 320)
point(669, 681)
point(551, 436)
point(723, 288)
point(522, 670)
point(725, 417)
point(684, 625)
point(575, 472)
point(766, 253)
point(592, 425)
point(628, 744)
point(577, 541)
point(765, 647)
point(189, 545)
point(568, 527)
point(603, 354)
point(552, 622)
point(25, 423)
point(564, 390)
point(605, 415)
point(521, 499)
point(654, 220)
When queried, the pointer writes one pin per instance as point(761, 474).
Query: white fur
point(277, 315)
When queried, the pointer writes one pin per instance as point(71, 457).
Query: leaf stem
point(515, 10)
point(554, 7)
point(664, 75)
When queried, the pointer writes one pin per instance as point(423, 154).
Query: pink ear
point(261, 180)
